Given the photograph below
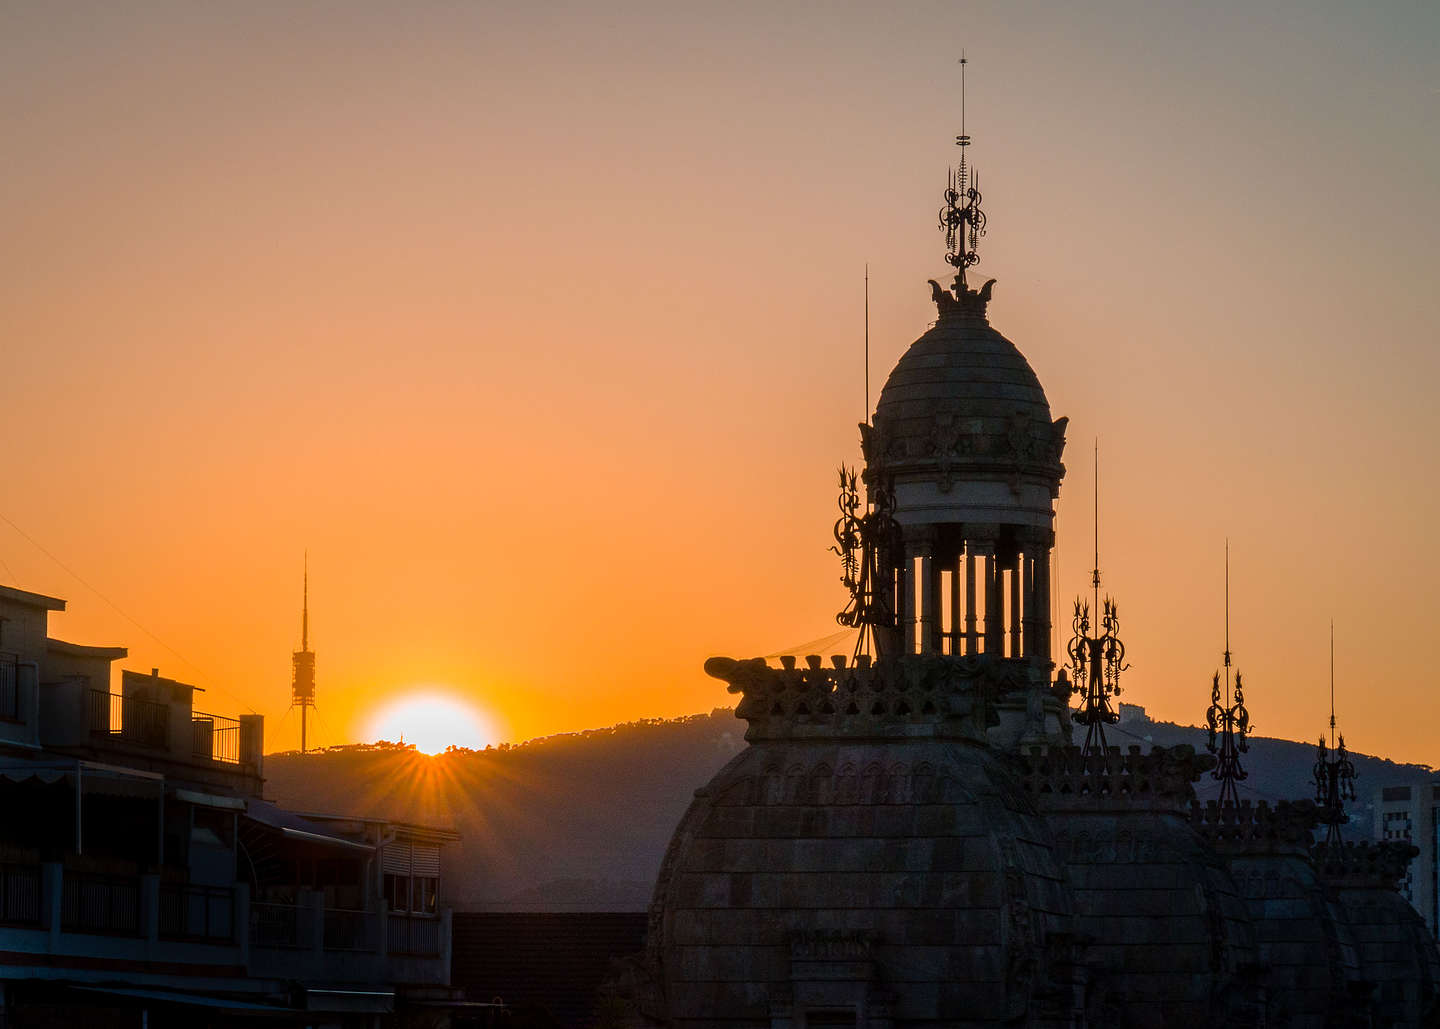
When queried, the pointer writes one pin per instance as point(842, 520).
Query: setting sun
point(432, 721)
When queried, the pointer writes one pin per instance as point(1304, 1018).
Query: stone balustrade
point(1059, 778)
point(912, 697)
point(1253, 829)
point(1365, 865)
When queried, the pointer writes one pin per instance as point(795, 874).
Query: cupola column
point(1016, 575)
point(994, 602)
point(957, 633)
point(972, 631)
point(905, 608)
point(929, 598)
point(1042, 600)
point(1027, 594)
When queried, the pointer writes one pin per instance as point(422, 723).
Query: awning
point(210, 800)
point(296, 828)
point(379, 1002)
point(95, 777)
point(187, 999)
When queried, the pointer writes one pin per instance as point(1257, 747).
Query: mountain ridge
point(580, 821)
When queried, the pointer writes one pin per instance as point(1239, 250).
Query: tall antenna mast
point(1095, 577)
point(1227, 619)
point(1332, 682)
point(867, 342)
point(305, 607)
point(302, 684)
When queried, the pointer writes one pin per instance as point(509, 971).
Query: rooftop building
point(142, 870)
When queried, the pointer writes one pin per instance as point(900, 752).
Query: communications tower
point(302, 685)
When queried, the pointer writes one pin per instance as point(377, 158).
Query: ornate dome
point(964, 404)
point(905, 880)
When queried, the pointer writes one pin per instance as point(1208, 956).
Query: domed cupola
point(963, 460)
point(963, 426)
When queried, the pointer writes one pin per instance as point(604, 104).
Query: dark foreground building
point(912, 837)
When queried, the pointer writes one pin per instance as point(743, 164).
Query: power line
point(119, 610)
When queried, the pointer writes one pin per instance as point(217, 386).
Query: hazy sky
point(540, 326)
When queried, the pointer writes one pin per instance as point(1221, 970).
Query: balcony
point(418, 935)
point(68, 913)
point(215, 738)
point(20, 895)
point(100, 904)
point(146, 724)
point(9, 687)
point(205, 914)
point(140, 723)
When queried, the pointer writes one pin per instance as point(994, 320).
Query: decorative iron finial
point(1098, 660)
point(868, 542)
point(1334, 771)
point(1230, 722)
point(961, 219)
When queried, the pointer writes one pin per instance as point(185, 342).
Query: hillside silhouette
point(580, 821)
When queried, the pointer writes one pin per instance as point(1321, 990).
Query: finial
point(1229, 722)
point(1098, 660)
point(1334, 771)
point(961, 219)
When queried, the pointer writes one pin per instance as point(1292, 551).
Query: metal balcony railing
point(201, 913)
point(215, 738)
point(100, 904)
point(275, 925)
point(20, 894)
point(9, 687)
point(143, 723)
point(417, 935)
point(349, 930)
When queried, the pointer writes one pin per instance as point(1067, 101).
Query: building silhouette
point(916, 835)
point(144, 879)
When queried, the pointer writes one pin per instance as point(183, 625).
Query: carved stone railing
point(1061, 779)
point(920, 696)
point(1366, 865)
point(1252, 829)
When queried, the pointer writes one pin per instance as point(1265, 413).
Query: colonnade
point(975, 596)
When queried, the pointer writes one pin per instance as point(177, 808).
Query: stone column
point(972, 634)
point(955, 633)
point(1031, 623)
point(994, 604)
point(1042, 647)
point(905, 608)
point(929, 597)
point(1015, 611)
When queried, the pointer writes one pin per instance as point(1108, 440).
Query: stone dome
point(907, 880)
point(963, 404)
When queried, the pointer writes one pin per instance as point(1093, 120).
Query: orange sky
point(542, 332)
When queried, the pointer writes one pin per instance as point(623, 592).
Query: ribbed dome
point(963, 402)
point(964, 366)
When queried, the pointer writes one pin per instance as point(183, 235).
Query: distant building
point(145, 881)
point(1409, 813)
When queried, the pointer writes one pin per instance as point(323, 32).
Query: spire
point(1229, 722)
point(1334, 771)
point(1098, 660)
point(963, 223)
